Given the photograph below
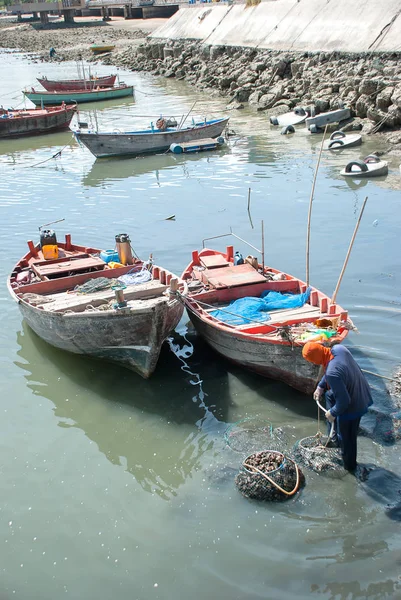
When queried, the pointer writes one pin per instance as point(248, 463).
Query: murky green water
point(115, 487)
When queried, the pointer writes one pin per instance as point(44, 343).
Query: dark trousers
point(346, 433)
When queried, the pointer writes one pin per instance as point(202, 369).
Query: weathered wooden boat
point(35, 121)
point(93, 95)
point(77, 302)
point(339, 141)
point(371, 166)
point(273, 347)
point(129, 143)
point(101, 48)
point(68, 85)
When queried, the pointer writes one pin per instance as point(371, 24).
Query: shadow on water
point(177, 414)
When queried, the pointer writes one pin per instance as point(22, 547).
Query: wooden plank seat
point(212, 261)
point(78, 302)
point(62, 267)
point(234, 276)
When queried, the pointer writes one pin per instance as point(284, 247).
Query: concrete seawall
point(297, 25)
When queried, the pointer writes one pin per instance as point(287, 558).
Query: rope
point(276, 485)
point(56, 155)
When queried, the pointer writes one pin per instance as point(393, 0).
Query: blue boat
point(93, 95)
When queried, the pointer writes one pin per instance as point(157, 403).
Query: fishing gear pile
point(270, 476)
point(319, 454)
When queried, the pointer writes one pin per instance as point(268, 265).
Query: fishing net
point(269, 475)
point(95, 285)
point(252, 434)
point(318, 453)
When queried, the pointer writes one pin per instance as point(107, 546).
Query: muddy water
point(117, 487)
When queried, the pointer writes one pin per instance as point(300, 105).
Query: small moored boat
point(371, 166)
point(68, 85)
point(339, 141)
point(101, 48)
point(77, 299)
point(317, 123)
point(34, 121)
point(294, 117)
point(93, 95)
point(130, 143)
point(259, 317)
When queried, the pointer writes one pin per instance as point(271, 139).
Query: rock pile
point(276, 82)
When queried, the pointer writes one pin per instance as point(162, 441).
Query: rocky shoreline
point(270, 81)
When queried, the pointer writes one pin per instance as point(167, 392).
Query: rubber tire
point(374, 159)
point(311, 111)
point(287, 129)
point(315, 129)
point(337, 135)
point(335, 143)
point(299, 111)
point(356, 163)
point(274, 120)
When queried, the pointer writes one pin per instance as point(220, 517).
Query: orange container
point(50, 252)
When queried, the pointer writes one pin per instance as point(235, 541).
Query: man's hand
point(329, 417)
point(318, 393)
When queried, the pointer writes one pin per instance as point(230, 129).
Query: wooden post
point(310, 207)
point(333, 299)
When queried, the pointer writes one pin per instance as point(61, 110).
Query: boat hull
point(104, 145)
point(69, 85)
point(132, 339)
point(280, 361)
point(54, 98)
point(36, 124)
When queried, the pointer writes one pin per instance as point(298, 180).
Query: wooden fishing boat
point(128, 143)
point(371, 166)
point(68, 85)
point(79, 96)
point(272, 348)
point(126, 325)
point(339, 141)
point(101, 48)
point(35, 121)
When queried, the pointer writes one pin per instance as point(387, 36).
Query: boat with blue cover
point(152, 140)
point(259, 317)
point(92, 95)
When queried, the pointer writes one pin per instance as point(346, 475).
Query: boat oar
point(310, 206)
point(333, 299)
point(188, 113)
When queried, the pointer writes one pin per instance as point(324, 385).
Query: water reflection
point(110, 170)
point(354, 589)
point(158, 429)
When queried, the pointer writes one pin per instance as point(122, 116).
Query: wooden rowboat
point(126, 326)
point(68, 85)
point(101, 48)
point(35, 121)
point(79, 96)
point(272, 348)
point(130, 143)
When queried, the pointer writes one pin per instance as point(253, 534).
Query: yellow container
point(114, 265)
point(50, 252)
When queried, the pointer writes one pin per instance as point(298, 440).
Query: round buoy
point(176, 148)
point(220, 140)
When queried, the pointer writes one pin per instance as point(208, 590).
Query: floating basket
point(269, 475)
point(313, 452)
point(252, 434)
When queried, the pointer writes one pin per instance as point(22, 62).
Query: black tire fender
point(337, 134)
point(274, 120)
point(287, 129)
point(356, 163)
point(371, 158)
point(299, 111)
point(335, 143)
point(314, 128)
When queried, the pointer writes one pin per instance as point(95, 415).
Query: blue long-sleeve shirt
point(348, 384)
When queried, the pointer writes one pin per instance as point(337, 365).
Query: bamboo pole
point(310, 207)
point(187, 115)
point(333, 299)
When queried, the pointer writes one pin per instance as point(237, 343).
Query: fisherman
point(347, 395)
point(52, 52)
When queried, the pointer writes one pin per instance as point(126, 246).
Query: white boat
point(294, 117)
point(371, 166)
point(317, 124)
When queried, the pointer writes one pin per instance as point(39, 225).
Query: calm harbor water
point(113, 486)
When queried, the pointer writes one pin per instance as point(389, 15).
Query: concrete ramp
point(303, 25)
